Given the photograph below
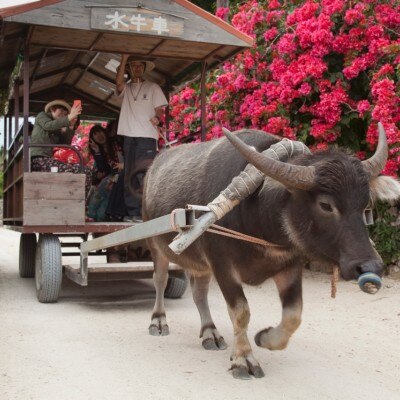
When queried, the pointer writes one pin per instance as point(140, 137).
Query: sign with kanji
point(136, 20)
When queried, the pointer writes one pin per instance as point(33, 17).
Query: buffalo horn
point(295, 176)
point(375, 164)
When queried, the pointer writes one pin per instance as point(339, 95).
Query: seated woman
point(55, 126)
point(108, 164)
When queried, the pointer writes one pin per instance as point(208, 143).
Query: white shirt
point(140, 100)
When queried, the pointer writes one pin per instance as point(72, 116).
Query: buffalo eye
point(325, 206)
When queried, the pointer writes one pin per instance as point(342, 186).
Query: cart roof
point(75, 46)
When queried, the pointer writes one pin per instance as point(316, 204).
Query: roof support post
point(167, 114)
point(10, 130)
point(6, 133)
point(16, 105)
point(203, 100)
point(26, 108)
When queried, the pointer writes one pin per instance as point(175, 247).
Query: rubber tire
point(176, 287)
point(48, 268)
point(27, 252)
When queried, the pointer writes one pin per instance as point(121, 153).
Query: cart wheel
point(176, 286)
point(27, 250)
point(48, 268)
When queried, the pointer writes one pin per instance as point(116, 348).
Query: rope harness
point(250, 179)
point(220, 230)
point(334, 280)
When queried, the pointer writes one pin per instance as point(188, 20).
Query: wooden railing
point(13, 174)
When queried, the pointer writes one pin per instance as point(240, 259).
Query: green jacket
point(48, 131)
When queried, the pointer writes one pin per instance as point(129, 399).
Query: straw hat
point(57, 103)
point(149, 64)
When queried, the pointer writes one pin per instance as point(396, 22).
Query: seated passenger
point(116, 209)
point(107, 167)
point(55, 126)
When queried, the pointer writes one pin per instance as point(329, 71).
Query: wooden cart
point(70, 49)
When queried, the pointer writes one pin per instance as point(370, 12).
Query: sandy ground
point(94, 344)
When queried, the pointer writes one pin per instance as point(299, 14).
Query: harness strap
point(220, 230)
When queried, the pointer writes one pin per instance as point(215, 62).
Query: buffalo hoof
point(257, 338)
point(256, 371)
point(272, 339)
point(221, 343)
point(209, 344)
point(214, 343)
point(158, 330)
point(244, 367)
point(240, 372)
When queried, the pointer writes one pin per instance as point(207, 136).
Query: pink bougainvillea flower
point(317, 69)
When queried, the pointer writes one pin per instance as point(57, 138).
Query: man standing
point(141, 111)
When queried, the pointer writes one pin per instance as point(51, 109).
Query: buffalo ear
point(384, 188)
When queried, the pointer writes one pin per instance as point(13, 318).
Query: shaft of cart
point(174, 222)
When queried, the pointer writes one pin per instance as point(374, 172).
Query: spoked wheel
point(27, 251)
point(48, 268)
point(176, 286)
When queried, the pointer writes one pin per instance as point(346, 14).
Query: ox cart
point(70, 49)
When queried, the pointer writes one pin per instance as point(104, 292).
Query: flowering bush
point(321, 71)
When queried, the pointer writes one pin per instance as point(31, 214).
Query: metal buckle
point(368, 217)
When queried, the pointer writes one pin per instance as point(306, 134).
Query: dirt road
point(93, 343)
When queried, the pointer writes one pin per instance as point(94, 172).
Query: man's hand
point(124, 59)
point(155, 121)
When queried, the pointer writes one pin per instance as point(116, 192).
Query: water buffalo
point(311, 206)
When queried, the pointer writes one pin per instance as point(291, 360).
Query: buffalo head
point(327, 194)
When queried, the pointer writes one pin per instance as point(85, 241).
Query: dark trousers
point(116, 208)
point(138, 154)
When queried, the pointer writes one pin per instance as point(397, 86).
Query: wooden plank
point(12, 10)
point(54, 212)
point(94, 227)
point(178, 48)
point(137, 266)
point(92, 60)
point(53, 199)
point(94, 86)
point(97, 101)
point(135, 45)
point(54, 186)
point(35, 69)
point(136, 20)
point(46, 83)
point(55, 63)
point(199, 26)
point(56, 37)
